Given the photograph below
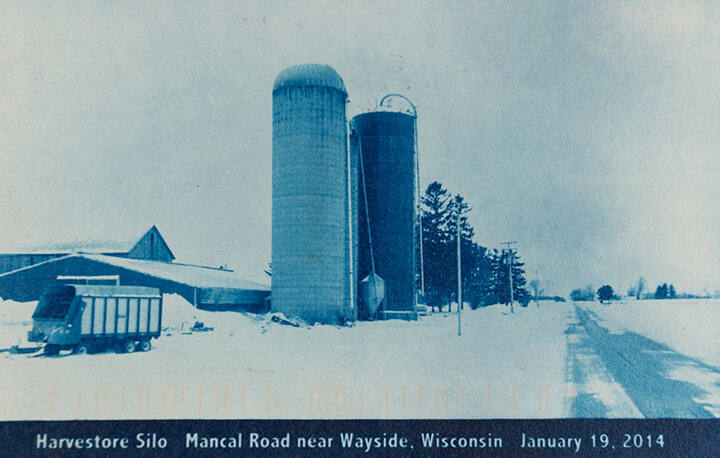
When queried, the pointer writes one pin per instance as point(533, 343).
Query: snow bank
point(16, 312)
point(689, 326)
point(15, 322)
point(180, 315)
point(708, 381)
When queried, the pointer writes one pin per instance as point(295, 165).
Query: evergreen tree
point(483, 271)
point(501, 282)
point(497, 277)
point(520, 292)
point(435, 213)
point(672, 294)
point(661, 292)
point(478, 288)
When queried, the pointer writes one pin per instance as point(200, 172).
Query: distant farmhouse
point(143, 261)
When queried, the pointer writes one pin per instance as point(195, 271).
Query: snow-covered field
point(690, 331)
point(503, 366)
point(626, 359)
point(689, 326)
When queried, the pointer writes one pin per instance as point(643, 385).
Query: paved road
point(626, 375)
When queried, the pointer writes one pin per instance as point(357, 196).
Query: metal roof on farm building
point(78, 245)
point(305, 75)
point(82, 245)
point(189, 274)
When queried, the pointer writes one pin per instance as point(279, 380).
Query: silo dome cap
point(305, 75)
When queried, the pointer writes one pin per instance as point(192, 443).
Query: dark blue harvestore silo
point(386, 141)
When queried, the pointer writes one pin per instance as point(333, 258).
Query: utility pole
point(510, 263)
point(459, 274)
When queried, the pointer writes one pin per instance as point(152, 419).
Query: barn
point(205, 287)
point(149, 245)
point(145, 262)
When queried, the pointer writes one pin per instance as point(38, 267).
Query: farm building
point(150, 245)
point(143, 261)
point(206, 287)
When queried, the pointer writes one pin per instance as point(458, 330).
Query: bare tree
point(639, 288)
point(537, 291)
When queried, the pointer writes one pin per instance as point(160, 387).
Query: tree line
point(662, 291)
point(606, 293)
point(486, 272)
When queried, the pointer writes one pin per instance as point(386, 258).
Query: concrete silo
point(312, 213)
point(387, 143)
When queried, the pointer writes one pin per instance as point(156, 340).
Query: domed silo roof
point(305, 75)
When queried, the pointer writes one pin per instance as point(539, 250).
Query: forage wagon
point(94, 317)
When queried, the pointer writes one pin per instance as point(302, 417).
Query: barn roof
point(80, 245)
point(85, 245)
point(188, 274)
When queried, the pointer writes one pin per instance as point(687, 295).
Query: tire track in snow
point(638, 366)
point(594, 392)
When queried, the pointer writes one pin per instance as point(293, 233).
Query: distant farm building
point(205, 287)
point(150, 245)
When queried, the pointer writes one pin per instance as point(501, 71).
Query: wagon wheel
point(129, 346)
point(145, 345)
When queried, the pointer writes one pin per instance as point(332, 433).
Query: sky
point(586, 131)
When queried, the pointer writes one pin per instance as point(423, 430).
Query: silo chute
point(372, 287)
